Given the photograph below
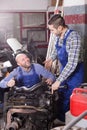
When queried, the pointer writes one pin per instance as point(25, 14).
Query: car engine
point(29, 108)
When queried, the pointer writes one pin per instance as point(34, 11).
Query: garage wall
point(23, 5)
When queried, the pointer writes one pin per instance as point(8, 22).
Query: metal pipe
point(13, 126)
point(73, 122)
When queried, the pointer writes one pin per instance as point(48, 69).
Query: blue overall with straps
point(73, 81)
point(27, 80)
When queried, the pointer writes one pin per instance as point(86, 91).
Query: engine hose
point(27, 107)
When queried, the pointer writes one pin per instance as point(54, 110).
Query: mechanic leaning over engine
point(27, 73)
point(68, 50)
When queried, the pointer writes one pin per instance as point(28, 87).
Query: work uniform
point(27, 78)
point(74, 79)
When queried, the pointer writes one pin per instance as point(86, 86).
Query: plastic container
point(78, 101)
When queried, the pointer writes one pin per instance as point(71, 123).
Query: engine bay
point(29, 108)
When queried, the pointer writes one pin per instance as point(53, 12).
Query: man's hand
point(55, 86)
point(48, 64)
point(11, 83)
point(49, 81)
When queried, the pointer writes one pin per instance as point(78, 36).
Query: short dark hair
point(57, 20)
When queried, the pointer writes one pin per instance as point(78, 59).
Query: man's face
point(23, 61)
point(55, 31)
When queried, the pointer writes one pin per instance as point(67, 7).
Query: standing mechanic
point(68, 51)
point(27, 73)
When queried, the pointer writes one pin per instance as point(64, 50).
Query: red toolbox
point(78, 101)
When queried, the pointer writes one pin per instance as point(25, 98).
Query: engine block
point(38, 98)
